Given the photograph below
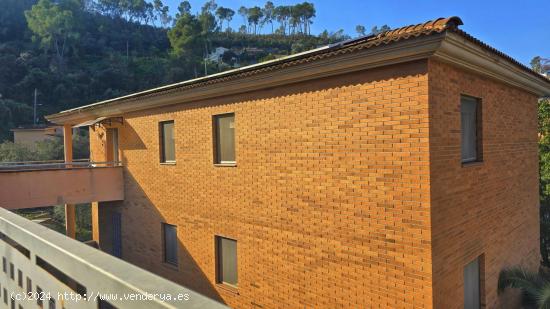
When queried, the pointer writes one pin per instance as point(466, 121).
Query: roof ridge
point(439, 25)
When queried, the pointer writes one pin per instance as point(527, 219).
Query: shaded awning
point(98, 121)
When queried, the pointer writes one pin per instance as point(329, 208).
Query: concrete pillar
point(68, 142)
point(95, 221)
point(70, 220)
point(70, 211)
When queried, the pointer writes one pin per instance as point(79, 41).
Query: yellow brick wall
point(488, 209)
point(329, 202)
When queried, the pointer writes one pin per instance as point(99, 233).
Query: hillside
point(75, 52)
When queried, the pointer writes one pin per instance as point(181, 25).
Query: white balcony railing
point(64, 273)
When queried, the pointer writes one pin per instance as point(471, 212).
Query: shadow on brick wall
point(141, 228)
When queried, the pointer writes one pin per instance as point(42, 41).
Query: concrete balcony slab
point(21, 187)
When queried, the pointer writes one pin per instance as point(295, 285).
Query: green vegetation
point(534, 287)
point(54, 218)
point(44, 150)
point(541, 65)
point(81, 51)
point(76, 52)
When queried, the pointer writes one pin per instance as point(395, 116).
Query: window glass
point(170, 244)
point(168, 149)
point(227, 261)
point(225, 138)
point(468, 113)
point(471, 285)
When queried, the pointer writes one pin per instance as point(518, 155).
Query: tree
point(225, 14)
point(50, 149)
point(12, 114)
point(162, 12)
point(111, 8)
point(361, 30)
point(11, 152)
point(183, 8)
point(117, 53)
point(537, 64)
point(185, 37)
point(339, 35)
point(210, 6)
point(207, 19)
point(12, 18)
point(375, 30)
point(208, 24)
point(147, 13)
point(295, 19)
point(52, 25)
point(308, 12)
point(540, 65)
point(255, 15)
point(544, 178)
point(282, 14)
point(269, 13)
point(243, 11)
point(535, 287)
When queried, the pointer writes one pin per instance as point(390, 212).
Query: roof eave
point(455, 47)
point(382, 55)
point(461, 51)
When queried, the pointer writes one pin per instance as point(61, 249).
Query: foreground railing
point(53, 164)
point(43, 268)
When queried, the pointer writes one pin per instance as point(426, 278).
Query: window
point(170, 236)
point(167, 142)
point(20, 278)
point(224, 136)
point(112, 136)
point(472, 295)
point(29, 285)
point(470, 119)
point(39, 297)
point(226, 255)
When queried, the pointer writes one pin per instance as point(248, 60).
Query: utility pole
point(34, 108)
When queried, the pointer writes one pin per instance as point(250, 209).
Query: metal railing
point(53, 164)
point(45, 268)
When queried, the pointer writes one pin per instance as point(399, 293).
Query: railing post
point(70, 212)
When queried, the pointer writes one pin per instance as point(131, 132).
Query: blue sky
point(518, 28)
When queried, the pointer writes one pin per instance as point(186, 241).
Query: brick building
point(391, 171)
point(32, 134)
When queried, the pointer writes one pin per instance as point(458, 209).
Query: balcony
point(48, 183)
point(64, 273)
